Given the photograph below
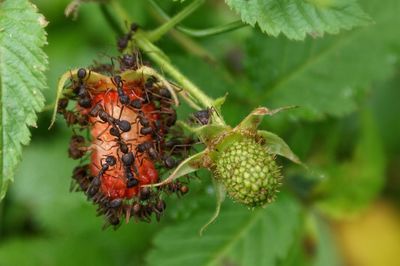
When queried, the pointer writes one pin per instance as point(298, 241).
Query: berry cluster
point(129, 142)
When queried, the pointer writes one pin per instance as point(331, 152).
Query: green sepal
point(190, 165)
point(253, 120)
point(219, 102)
point(277, 145)
point(220, 196)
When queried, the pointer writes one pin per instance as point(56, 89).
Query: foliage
point(296, 19)
point(238, 236)
point(22, 65)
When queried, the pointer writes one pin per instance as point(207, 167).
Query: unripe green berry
point(248, 172)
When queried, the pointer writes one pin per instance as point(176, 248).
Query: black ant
point(159, 209)
point(84, 97)
point(62, 105)
point(115, 123)
point(147, 147)
point(203, 116)
point(95, 184)
point(169, 162)
point(128, 160)
point(122, 42)
point(127, 61)
point(123, 98)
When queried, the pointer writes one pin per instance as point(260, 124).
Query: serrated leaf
point(239, 236)
point(298, 18)
point(324, 76)
point(22, 66)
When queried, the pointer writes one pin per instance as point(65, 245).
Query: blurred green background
point(344, 211)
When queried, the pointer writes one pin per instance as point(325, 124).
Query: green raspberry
point(248, 172)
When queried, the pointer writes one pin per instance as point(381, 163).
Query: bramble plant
point(171, 101)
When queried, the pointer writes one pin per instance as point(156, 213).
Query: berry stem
point(156, 34)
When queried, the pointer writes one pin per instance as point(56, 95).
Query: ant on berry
point(203, 116)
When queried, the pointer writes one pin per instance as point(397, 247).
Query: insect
point(203, 116)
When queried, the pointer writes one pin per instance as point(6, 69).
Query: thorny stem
point(162, 60)
point(171, 23)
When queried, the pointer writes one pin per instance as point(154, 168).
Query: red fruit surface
point(113, 181)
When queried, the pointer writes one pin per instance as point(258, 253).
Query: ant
point(84, 97)
point(127, 61)
point(169, 162)
point(123, 98)
point(128, 160)
point(95, 184)
point(178, 188)
point(203, 116)
point(122, 42)
point(115, 123)
point(147, 147)
point(159, 209)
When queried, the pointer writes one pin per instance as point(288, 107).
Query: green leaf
point(22, 66)
point(298, 18)
point(239, 236)
point(324, 76)
point(351, 186)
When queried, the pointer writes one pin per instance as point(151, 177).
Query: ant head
point(81, 73)
point(132, 182)
point(114, 132)
point(111, 160)
point(62, 103)
point(117, 80)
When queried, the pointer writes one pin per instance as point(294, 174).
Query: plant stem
point(213, 30)
point(198, 32)
point(183, 40)
point(156, 34)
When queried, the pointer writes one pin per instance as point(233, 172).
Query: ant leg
point(98, 136)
